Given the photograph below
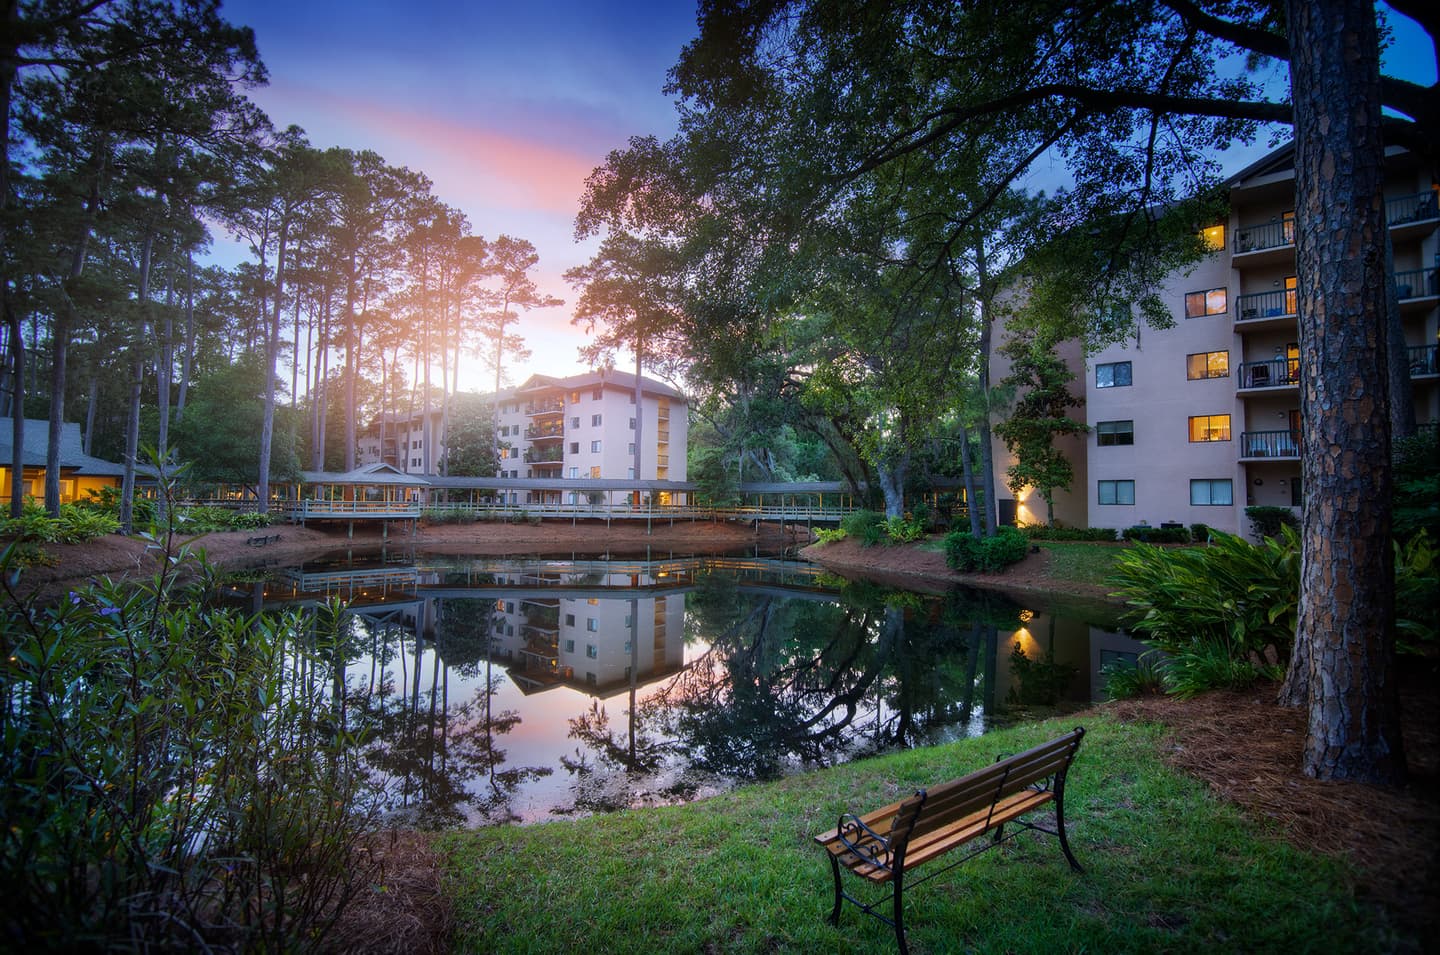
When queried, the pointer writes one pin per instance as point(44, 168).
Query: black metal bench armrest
point(866, 844)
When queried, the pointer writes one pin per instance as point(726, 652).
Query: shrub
point(962, 551)
point(828, 535)
point(1223, 615)
point(900, 530)
point(1199, 533)
point(868, 527)
point(1267, 520)
point(1040, 532)
point(450, 515)
point(1156, 535)
point(78, 524)
point(1126, 679)
point(174, 777)
point(989, 555)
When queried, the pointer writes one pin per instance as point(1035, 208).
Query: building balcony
point(545, 406)
point(546, 432)
point(1270, 445)
point(1416, 289)
point(1424, 361)
point(552, 454)
point(1275, 373)
point(1413, 216)
point(1259, 310)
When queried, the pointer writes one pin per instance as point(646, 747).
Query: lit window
point(1212, 491)
point(1210, 427)
point(1287, 224)
point(595, 471)
point(1116, 492)
point(1110, 433)
point(1213, 237)
point(1113, 375)
point(1209, 302)
point(1291, 298)
point(1207, 364)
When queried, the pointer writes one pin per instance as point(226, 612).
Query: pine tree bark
point(1343, 669)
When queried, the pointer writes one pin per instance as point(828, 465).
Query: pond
point(527, 688)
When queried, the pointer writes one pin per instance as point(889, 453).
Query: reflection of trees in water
point(432, 750)
point(793, 680)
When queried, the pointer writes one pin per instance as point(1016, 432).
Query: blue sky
point(508, 106)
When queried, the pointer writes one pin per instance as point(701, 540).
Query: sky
point(507, 105)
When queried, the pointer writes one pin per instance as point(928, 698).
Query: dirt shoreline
point(122, 558)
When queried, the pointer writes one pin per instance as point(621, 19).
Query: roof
point(72, 455)
point(608, 377)
point(366, 474)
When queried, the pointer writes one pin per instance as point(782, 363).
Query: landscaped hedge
point(1157, 535)
point(989, 555)
point(1266, 520)
point(1040, 532)
point(867, 527)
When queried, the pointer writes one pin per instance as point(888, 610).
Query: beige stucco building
point(1194, 423)
point(579, 427)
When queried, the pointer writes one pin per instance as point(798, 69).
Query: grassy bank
point(1169, 868)
point(1081, 561)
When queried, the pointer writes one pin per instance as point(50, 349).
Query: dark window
point(1113, 375)
point(1110, 433)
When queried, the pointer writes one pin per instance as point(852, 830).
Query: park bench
point(884, 845)
point(263, 540)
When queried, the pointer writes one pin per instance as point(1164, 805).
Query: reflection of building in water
point(592, 643)
point(1065, 651)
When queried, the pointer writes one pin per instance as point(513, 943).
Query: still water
point(527, 688)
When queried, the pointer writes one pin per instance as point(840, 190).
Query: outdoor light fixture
point(1259, 481)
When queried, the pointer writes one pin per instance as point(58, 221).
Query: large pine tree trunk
point(1343, 668)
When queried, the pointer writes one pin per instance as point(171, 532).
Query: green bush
point(1223, 615)
point(989, 555)
point(1126, 680)
point(450, 515)
point(1199, 533)
point(79, 524)
point(827, 535)
point(900, 530)
point(1041, 532)
point(1157, 535)
point(867, 527)
point(174, 777)
point(1417, 592)
point(1267, 520)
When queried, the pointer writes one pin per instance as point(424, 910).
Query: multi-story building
point(580, 427)
point(1192, 424)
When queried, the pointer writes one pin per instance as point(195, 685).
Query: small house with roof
point(80, 473)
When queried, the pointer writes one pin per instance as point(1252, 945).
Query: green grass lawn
point(1081, 561)
point(1168, 869)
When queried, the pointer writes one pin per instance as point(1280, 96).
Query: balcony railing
point(1270, 374)
point(1269, 444)
point(1417, 283)
point(1416, 208)
point(1268, 235)
point(1424, 360)
point(544, 455)
point(1277, 304)
point(548, 406)
point(536, 431)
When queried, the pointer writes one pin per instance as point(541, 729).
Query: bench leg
point(839, 896)
point(900, 914)
point(1060, 828)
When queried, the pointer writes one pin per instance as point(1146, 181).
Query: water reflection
point(493, 690)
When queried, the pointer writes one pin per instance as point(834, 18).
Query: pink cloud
point(493, 167)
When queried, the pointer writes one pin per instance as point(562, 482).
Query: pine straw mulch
point(405, 911)
point(1247, 749)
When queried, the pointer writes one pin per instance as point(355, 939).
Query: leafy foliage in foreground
point(1168, 868)
point(174, 774)
point(1224, 615)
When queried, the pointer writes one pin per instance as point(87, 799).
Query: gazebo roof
point(371, 474)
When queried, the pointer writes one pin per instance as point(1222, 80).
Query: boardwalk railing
point(309, 510)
